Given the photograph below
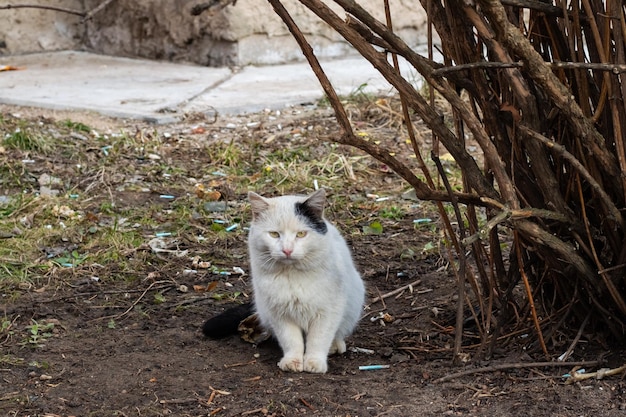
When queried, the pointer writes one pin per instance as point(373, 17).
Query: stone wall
point(35, 30)
point(248, 32)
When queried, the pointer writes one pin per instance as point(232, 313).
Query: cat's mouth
point(288, 260)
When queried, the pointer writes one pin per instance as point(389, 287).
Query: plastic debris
point(373, 367)
point(568, 375)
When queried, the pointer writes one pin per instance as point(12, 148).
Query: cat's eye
point(301, 233)
point(275, 235)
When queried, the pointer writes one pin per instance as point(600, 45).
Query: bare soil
point(127, 342)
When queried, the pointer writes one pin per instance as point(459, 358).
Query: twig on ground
point(261, 410)
point(521, 365)
point(233, 365)
point(129, 309)
point(394, 292)
point(599, 374)
point(571, 347)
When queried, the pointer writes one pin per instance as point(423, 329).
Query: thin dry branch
point(90, 14)
point(85, 15)
point(44, 7)
point(613, 68)
point(604, 197)
point(521, 365)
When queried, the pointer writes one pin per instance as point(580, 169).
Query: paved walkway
point(162, 92)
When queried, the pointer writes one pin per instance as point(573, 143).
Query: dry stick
point(128, 310)
point(85, 16)
point(535, 5)
point(614, 68)
point(89, 15)
point(610, 285)
point(529, 294)
point(506, 366)
point(39, 6)
point(394, 292)
point(578, 376)
point(560, 149)
point(571, 347)
point(506, 215)
point(458, 335)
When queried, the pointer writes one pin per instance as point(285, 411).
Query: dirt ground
point(123, 338)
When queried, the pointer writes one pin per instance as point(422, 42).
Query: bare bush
point(543, 96)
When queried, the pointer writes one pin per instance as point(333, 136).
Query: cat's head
point(288, 229)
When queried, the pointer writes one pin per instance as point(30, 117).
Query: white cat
point(307, 290)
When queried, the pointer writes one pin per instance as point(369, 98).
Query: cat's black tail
point(227, 323)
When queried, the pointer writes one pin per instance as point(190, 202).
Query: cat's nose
point(287, 252)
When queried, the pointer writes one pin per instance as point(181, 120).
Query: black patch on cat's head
point(312, 211)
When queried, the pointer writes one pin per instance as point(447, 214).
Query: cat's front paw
point(315, 364)
point(291, 364)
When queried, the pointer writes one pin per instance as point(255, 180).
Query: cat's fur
point(307, 290)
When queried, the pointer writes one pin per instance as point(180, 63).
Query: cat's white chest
point(297, 294)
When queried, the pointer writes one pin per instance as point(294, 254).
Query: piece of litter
point(9, 68)
point(232, 227)
point(362, 350)
point(422, 221)
point(163, 234)
point(568, 375)
point(167, 197)
point(373, 367)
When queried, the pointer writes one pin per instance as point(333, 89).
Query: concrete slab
point(119, 87)
point(274, 87)
point(162, 92)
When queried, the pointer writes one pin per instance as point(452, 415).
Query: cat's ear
point(257, 203)
point(316, 202)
